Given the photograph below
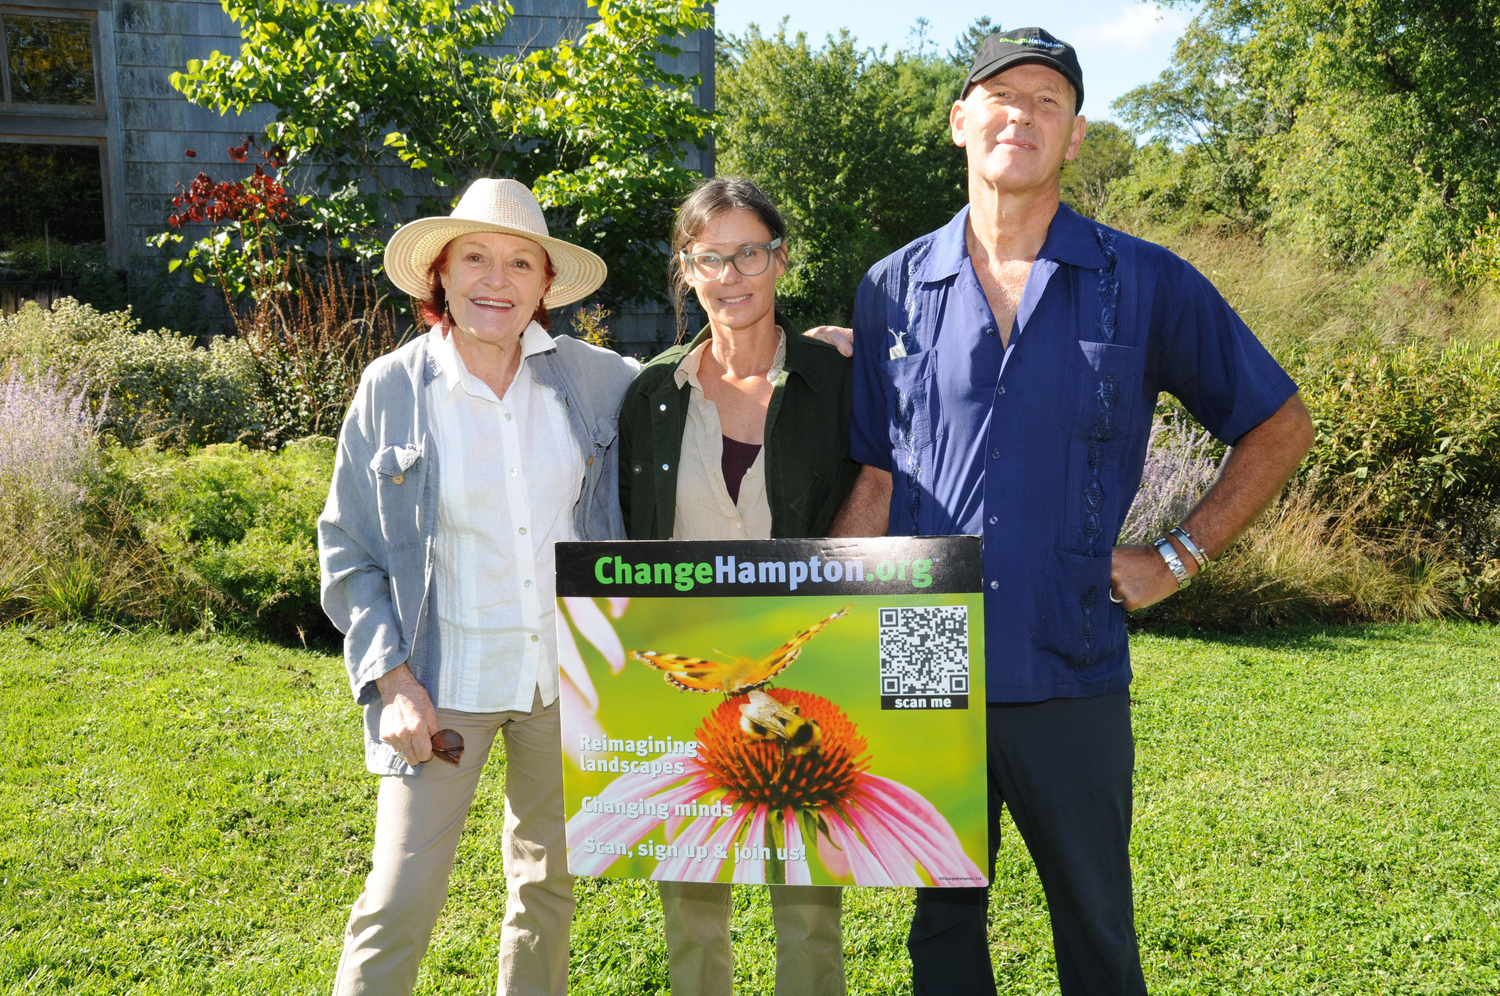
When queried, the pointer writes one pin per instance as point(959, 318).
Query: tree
point(851, 145)
point(1103, 158)
point(1349, 128)
point(386, 109)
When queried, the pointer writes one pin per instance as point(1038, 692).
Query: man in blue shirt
point(1006, 372)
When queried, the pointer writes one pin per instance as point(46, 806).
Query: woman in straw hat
point(465, 456)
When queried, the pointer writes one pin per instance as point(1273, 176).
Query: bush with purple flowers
point(46, 440)
point(47, 458)
point(1180, 465)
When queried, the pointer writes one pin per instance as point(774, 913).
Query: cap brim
point(1004, 62)
point(410, 252)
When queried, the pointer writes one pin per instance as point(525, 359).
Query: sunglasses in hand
point(448, 745)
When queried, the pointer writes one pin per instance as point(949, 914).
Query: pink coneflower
point(771, 812)
point(575, 687)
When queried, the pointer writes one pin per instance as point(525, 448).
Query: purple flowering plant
point(1180, 465)
point(47, 437)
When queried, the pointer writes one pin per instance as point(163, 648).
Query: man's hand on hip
point(1138, 576)
point(408, 720)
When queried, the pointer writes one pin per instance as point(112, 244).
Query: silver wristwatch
point(1192, 548)
point(1169, 554)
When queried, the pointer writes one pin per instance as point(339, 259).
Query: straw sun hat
point(504, 206)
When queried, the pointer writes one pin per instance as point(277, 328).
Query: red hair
point(435, 305)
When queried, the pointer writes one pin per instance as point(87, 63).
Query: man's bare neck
point(1010, 226)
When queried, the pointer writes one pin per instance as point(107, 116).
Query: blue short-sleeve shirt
point(1043, 457)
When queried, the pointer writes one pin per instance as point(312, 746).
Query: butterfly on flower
point(693, 674)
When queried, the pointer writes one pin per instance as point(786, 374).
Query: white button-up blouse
point(511, 474)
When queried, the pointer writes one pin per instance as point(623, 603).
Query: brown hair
point(708, 200)
point(435, 306)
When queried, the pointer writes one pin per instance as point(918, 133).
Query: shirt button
point(507, 416)
point(514, 472)
point(523, 530)
point(534, 638)
point(994, 519)
point(1000, 389)
point(994, 454)
point(663, 407)
point(663, 466)
point(994, 584)
point(526, 584)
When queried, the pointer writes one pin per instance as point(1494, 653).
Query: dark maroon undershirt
point(736, 461)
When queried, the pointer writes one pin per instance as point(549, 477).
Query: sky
point(1121, 44)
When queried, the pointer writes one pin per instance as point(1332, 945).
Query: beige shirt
point(704, 511)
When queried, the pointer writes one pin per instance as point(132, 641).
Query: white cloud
point(1135, 27)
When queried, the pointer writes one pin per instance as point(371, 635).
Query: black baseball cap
point(1004, 49)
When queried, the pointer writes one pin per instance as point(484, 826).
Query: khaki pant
point(809, 940)
point(417, 825)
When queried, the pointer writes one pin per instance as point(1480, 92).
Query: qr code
point(924, 650)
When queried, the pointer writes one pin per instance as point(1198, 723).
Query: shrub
point(1417, 432)
point(309, 342)
point(47, 458)
point(1304, 563)
point(1479, 261)
point(1180, 465)
point(158, 383)
point(235, 528)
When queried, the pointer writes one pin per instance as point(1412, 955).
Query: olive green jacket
point(808, 470)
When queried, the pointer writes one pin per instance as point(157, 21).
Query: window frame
point(77, 124)
point(88, 16)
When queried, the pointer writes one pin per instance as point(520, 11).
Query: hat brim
point(410, 252)
point(1022, 59)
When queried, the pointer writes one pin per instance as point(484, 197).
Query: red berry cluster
point(259, 197)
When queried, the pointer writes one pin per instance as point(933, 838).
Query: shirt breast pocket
point(1107, 383)
point(910, 400)
point(400, 473)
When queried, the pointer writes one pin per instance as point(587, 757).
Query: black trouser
point(1063, 767)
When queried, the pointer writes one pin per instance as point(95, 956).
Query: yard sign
point(794, 711)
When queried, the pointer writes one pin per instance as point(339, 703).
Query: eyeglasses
point(751, 261)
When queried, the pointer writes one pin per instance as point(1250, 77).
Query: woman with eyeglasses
point(742, 433)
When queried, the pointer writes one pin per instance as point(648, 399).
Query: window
point(48, 60)
point(51, 191)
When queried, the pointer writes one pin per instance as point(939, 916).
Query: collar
point(1071, 238)
point(453, 372)
point(687, 370)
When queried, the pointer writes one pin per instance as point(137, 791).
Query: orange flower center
point(766, 772)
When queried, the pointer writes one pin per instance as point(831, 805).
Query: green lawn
point(1316, 813)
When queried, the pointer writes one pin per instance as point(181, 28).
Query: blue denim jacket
point(375, 536)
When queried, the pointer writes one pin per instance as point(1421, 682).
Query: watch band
point(1169, 554)
point(1192, 548)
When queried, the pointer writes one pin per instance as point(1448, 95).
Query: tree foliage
point(1104, 157)
point(388, 108)
point(852, 145)
point(1349, 128)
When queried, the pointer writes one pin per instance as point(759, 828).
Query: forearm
point(867, 510)
point(1258, 467)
